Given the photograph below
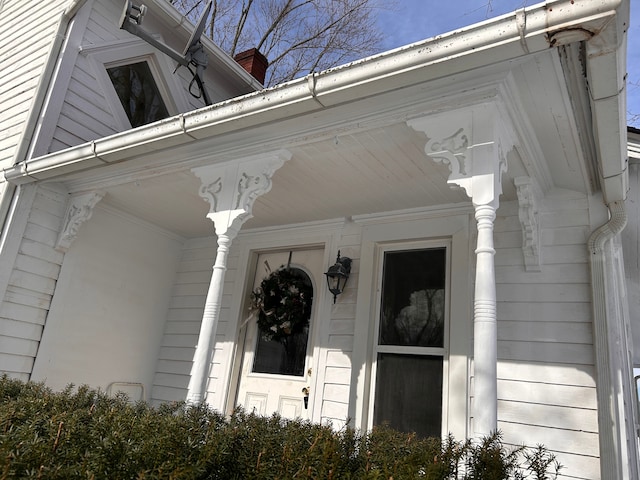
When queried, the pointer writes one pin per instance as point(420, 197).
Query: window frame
point(117, 53)
point(376, 348)
point(155, 75)
point(455, 224)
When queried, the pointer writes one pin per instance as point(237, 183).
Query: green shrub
point(84, 434)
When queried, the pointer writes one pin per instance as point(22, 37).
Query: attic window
point(138, 93)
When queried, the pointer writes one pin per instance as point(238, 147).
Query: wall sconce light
point(337, 275)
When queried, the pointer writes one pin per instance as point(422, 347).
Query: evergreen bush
point(81, 433)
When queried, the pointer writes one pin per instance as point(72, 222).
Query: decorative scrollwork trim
point(79, 210)
point(528, 214)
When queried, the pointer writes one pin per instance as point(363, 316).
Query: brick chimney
point(253, 62)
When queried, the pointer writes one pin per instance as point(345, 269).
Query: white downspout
point(617, 439)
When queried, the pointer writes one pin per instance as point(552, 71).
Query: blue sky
point(414, 20)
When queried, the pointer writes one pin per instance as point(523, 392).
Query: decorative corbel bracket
point(232, 188)
point(473, 143)
point(529, 195)
point(79, 210)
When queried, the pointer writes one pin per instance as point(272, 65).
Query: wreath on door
point(283, 303)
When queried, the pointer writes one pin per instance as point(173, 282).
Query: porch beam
point(231, 190)
point(473, 144)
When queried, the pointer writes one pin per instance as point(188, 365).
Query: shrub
point(84, 434)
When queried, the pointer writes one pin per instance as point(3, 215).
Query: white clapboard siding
point(183, 321)
point(337, 339)
point(32, 283)
point(546, 373)
point(23, 54)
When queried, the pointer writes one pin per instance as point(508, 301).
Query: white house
point(477, 181)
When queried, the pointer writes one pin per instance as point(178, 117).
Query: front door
point(276, 365)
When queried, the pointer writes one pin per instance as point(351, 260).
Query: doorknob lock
point(305, 392)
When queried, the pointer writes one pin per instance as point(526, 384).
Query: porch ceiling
point(358, 157)
point(378, 170)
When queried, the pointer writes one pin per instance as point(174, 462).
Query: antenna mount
point(193, 55)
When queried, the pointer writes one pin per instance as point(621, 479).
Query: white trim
point(441, 352)
point(455, 229)
point(122, 52)
point(490, 42)
point(249, 246)
point(56, 94)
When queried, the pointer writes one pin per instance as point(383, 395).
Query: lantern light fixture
point(337, 275)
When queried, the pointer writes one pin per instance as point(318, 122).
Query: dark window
point(410, 346)
point(285, 356)
point(138, 93)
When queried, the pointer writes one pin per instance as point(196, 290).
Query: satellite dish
point(194, 53)
point(197, 32)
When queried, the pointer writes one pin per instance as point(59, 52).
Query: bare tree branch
point(296, 36)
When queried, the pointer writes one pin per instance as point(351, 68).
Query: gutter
point(531, 30)
point(606, 56)
point(37, 104)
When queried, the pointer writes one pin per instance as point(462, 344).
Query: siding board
point(547, 394)
point(33, 279)
point(557, 352)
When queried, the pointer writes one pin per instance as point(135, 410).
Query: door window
point(411, 338)
point(285, 354)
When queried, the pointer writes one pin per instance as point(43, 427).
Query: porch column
point(472, 143)
point(485, 326)
point(231, 190)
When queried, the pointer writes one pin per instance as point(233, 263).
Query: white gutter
point(37, 104)
point(497, 40)
point(606, 72)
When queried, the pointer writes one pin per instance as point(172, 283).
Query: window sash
point(407, 350)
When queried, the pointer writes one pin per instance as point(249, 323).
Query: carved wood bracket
point(473, 143)
point(232, 188)
point(79, 210)
point(529, 195)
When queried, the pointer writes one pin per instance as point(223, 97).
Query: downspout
point(608, 345)
point(9, 192)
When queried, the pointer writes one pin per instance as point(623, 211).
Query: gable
point(83, 104)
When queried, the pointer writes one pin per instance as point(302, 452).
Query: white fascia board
point(508, 37)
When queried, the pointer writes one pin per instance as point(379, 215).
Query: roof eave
point(523, 32)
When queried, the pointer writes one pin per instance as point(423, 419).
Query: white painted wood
point(28, 27)
point(113, 331)
point(282, 393)
point(31, 282)
point(546, 367)
point(183, 320)
point(549, 416)
point(380, 231)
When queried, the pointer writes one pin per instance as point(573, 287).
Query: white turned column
point(202, 357)
point(485, 330)
point(231, 190)
point(472, 143)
